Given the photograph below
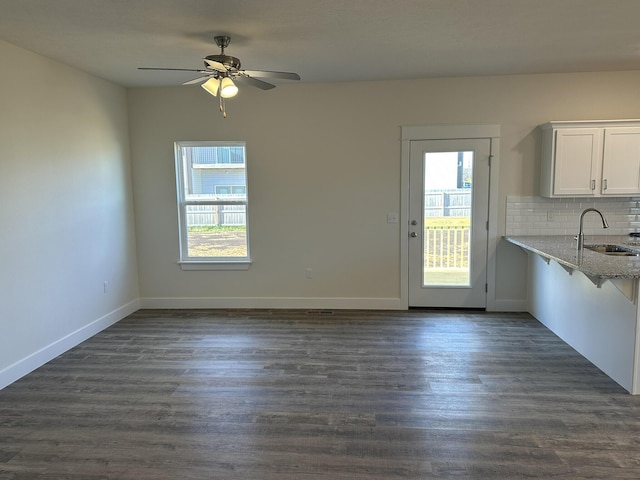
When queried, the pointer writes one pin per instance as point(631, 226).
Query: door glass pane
point(448, 184)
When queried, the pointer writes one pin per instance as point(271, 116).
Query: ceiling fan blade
point(175, 69)
point(269, 74)
point(198, 80)
point(215, 65)
point(255, 82)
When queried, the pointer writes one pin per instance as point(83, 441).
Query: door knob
point(414, 222)
point(413, 234)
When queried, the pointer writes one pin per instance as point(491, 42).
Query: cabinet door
point(577, 161)
point(621, 162)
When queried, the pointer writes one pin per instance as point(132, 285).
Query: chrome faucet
point(580, 236)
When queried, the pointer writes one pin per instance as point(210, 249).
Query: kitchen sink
point(612, 249)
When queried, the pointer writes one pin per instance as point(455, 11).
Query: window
point(212, 204)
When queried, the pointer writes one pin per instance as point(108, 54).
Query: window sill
point(220, 265)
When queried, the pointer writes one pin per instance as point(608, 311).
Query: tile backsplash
point(561, 216)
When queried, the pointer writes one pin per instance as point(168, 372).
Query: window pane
point(216, 231)
point(214, 171)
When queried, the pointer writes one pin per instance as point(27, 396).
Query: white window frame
point(207, 263)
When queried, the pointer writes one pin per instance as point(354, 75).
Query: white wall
point(66, 213)
point(324, 170)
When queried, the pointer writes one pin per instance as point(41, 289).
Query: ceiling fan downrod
point(222, 41)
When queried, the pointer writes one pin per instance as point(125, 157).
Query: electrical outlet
point(392, 218)
point(309, 273)
point(105, 286)
point(550, 215)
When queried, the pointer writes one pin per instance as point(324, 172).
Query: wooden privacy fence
point(446, 242)
point(447, 203)
point(216, 215)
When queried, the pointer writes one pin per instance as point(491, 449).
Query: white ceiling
point(329, 40)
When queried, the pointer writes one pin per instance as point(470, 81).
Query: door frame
point(450, 132)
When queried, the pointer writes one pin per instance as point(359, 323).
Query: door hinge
point(486, 288)
point(490, 158)
point(487, 225)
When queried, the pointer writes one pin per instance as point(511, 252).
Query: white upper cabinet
point(621, 161)
point(590, 159)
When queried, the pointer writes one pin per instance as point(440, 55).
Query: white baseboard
point(28, 364)
point(273, 302)
point(304, 303)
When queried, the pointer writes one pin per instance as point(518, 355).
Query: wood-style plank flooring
point(283, 395)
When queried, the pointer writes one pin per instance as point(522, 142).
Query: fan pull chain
point(223, 108)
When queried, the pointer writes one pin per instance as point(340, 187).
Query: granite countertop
point(562, 249)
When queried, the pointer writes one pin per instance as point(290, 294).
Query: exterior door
point(448, 222)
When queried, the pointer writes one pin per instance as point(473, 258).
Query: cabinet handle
point(593, 184)
point(604, 184)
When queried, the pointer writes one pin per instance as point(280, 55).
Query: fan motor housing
point(227, 60)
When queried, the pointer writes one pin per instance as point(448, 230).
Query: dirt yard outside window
point(217, 242)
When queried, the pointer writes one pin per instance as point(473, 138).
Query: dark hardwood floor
point(282, 395)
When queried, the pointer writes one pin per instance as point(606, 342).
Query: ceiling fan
point(221, 70)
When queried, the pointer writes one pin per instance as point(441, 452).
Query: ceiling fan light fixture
point(228, 89)
point(219, 71)
point(212, 85)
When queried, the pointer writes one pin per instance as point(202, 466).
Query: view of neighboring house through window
point(212, 201)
